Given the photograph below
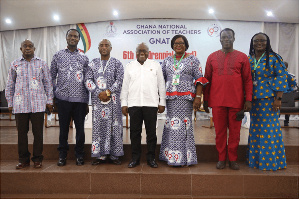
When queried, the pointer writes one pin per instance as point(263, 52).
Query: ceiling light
point(115, 13)
point(211, 11)
point(8, 21)
point(269, 13)
point(56, 17)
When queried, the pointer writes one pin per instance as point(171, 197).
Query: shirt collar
point(34, 58)
point(76, 50)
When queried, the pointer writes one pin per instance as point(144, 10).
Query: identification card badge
point(255, 82)
point(34, 83)
point(101, 82)
point(100, 71)
point(175, 80)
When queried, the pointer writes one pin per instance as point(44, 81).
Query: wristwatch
point(278, 98)
point(107, 93)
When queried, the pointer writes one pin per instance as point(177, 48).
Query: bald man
point(143, 96)
point(29, 92)
point(104, 80)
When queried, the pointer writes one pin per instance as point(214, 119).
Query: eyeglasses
point(261, 41)
point(179, 43)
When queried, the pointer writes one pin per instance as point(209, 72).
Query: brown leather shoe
point(22, 165)
point(233, 165)
point(37, 164)
point(221, 164)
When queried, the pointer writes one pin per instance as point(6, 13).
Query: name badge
point(34, 83)
point(101, 82)
point(100, 70)
point(175, 80)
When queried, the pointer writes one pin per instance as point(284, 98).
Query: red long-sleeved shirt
point(230, 81)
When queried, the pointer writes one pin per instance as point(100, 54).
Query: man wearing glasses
point(229, 93)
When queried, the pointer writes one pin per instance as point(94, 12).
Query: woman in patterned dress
point(184, 82)
point(265, 144)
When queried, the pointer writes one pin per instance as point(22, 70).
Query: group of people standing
point(233, 84)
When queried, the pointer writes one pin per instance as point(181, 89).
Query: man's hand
point(197, 103)
point(276, 105)
point(103, 97)
point(205, 106)
point(49, 107)
point(247, 106)
point(161, 109)
point(125, 110)
point(10, 109)
point(54, 104)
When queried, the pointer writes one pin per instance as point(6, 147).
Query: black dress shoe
point(116, 162)
point(152, 163)
point(221, 164)
point(61, 162)
point(37, 164)
point(98, 162)
point(233, 165)
point(79, 161)
point(133, 163)
point(22, 165)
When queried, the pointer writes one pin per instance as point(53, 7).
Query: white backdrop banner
point(203, 37)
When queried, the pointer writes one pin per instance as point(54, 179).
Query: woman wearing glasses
point(184, 82)
point(265, 146)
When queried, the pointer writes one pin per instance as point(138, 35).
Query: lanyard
point(257, 62)
point(104, 68)
point(176, 66)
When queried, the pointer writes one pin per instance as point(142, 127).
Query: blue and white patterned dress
point(107, 136)
point(178, 143)
point(265, 144)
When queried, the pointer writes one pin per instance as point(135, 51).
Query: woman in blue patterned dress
point(265, 144)
point(184, 82)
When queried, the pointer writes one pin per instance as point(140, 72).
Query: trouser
point(37, 121)
point(287, 119)
point(137, 116)
point(225, 117)
point(77, 111)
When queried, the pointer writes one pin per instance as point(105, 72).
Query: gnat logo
point(111, 30)
point(105, 113)
point(175, 123)
point(214, 30)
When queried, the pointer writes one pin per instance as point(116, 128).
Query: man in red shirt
point(229, 93)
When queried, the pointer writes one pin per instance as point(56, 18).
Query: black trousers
point(37, 121)
point(287, 119)
point(77, 111)
point(137, 116)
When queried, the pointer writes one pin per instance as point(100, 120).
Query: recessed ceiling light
point(56, 17)
point(8, 21)
point(115, 13)
point(269, 13)
point(211, 11)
